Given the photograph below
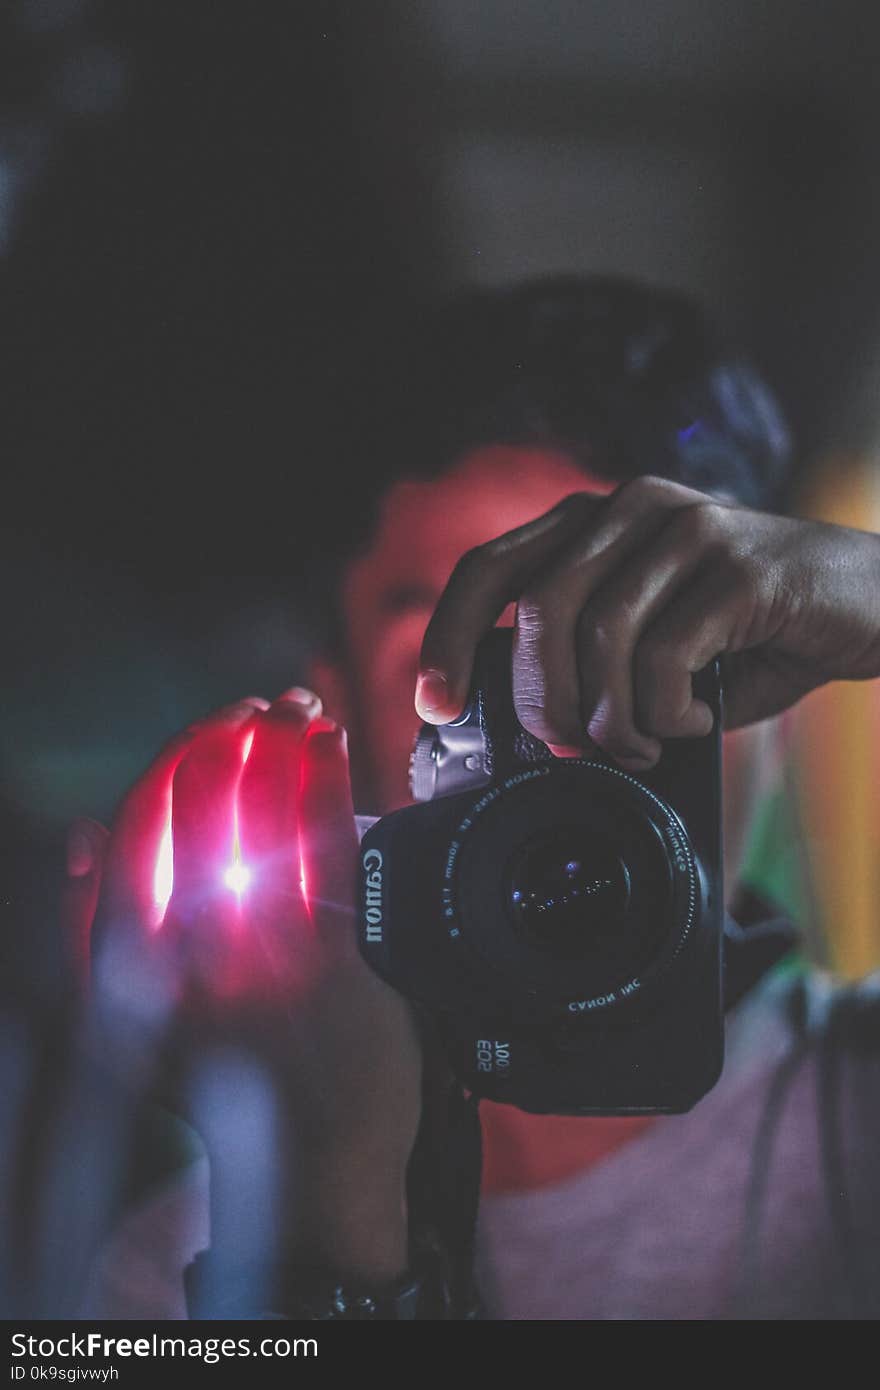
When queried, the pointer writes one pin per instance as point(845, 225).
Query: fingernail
point(323, 725)
point(80, 855)
point(326, 739)
point(432, 693)
point(570, 750)
point(298, 695)
point(240, 709)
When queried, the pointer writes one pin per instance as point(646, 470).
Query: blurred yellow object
point(834, 755)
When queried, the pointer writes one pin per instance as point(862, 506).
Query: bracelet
point(310, 1293)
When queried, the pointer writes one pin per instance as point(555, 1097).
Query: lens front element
point(569, 892)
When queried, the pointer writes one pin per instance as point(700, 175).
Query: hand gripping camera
point(561, 919)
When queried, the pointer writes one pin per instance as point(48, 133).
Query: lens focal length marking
point(447, 893)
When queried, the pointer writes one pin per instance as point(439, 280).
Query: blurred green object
point(775, 868)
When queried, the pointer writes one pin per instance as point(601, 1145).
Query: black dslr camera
point(560, 919)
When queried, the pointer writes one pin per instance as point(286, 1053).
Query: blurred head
point(503, 402)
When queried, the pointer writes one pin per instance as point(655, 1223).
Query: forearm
point(350, 1216)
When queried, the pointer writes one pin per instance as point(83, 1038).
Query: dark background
point(208, 210)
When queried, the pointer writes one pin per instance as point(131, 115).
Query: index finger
point(483, 583)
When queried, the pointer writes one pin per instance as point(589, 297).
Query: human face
point(390, 592)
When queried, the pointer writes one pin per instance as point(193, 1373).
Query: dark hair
point(634, 378)
point(627, 378)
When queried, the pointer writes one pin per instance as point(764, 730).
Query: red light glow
point(163, 877)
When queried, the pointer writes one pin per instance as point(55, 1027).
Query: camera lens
point(569, 892)
point(573, 882)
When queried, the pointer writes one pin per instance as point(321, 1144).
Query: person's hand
point(86, 848)
point(255, 954)
point(621, 599)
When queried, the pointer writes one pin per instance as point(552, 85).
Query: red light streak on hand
point(272, 971)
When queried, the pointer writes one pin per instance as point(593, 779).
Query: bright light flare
point(163, 877)
point(237, 877)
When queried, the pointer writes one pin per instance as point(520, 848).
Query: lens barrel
point(574, 881)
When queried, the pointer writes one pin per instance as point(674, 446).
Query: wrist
point(342, 1242)
point(350, 1216)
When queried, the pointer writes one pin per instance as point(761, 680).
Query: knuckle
point(581, 498)
point(604, 631)
point(492, 550)
point(741, 572)
point(703, 523)
point(471, 565)
point(647, 489)
point(577, 504)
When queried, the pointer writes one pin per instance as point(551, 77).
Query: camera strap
point(749, 952)
point(443, 1179)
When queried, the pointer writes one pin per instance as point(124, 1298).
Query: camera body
point(560, 919)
